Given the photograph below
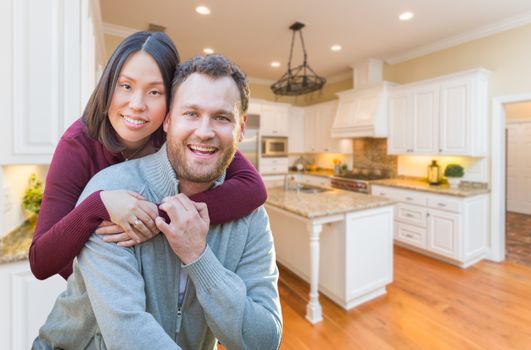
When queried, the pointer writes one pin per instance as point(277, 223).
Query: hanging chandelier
point(301, 79)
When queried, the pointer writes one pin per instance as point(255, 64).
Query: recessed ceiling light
point(406, 16)
point(336, 48)
point(275, 64)
point(208, 50)
point(203, 10)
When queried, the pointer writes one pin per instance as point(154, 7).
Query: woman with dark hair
point(122, 120)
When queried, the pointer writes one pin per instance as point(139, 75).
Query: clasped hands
point(134, 220)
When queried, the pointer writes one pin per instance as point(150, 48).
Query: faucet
point(287, 180)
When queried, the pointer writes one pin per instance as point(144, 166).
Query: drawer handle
point(409, 215)
point(381, 194)
point(408, 235)
point(409, 198)
point(441, 204)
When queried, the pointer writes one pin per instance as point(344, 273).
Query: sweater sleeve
point(62, 230)
point(242, 308)
point(242, 192)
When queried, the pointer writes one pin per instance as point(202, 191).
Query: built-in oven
point(274, 146)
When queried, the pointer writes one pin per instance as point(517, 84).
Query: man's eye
point(223, 118)
point(190, 114)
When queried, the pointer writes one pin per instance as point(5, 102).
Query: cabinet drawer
point(386, 192)
point(273, 165)
point(410, 197)
point(410, 234)
point(444, 203)
point(316, 181)
point(411, 214)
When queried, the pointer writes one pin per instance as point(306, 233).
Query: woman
point(122, 120)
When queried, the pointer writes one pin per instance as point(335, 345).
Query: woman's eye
point(125, 86)
point(155, 93)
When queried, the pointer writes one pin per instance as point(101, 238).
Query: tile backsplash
point(371, 152)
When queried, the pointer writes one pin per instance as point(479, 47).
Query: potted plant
point(33, 196)
point(454, 173)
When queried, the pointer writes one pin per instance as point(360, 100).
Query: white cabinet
point(274, 165)
point(296, 130)
point(273, 180)
point(274, 119)
point(311, 180)
point(25, 303)
point(453, 229)
point(318, 120)
point(443, 116)
point(52, 53)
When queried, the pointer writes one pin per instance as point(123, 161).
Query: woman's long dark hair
point(159, 46)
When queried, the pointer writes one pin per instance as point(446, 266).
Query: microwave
point(274, 146)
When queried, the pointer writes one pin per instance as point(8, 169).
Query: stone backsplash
point(371, 153)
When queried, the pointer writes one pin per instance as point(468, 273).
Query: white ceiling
point(254, 33)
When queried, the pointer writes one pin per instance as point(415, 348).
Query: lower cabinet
point(453, 229)
point(25, 303)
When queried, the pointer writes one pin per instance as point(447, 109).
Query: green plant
point(33, 195)
point(454, 170)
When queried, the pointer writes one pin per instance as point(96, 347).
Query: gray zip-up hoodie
point(128, 298)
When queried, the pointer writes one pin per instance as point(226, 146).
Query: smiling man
point(196, 283)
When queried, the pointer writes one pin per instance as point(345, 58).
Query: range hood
point(362, 111)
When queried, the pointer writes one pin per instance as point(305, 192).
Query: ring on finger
point(136, 222)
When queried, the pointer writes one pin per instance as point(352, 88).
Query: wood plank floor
point(430, 305)
point(518, 238)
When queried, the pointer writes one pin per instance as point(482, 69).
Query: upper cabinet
point(443, 116)
point(53, 55)
point(274, 119)
point(362, 113)
point(318, 121)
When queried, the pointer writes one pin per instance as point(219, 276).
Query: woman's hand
point(133, 218)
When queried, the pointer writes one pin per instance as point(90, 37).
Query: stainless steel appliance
point(358, 180)
point(274, 146)
point(249, 144)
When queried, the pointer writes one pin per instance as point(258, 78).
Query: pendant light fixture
point(301, 79)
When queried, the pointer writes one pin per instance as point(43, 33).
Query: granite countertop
point(312, 205)
point(466, 189)
point(14, 245)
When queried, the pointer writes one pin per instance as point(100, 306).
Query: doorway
point(518, 184)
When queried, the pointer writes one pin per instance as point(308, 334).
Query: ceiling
point(254, 33)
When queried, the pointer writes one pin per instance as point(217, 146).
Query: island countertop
point(14, 245)
point(330, 202)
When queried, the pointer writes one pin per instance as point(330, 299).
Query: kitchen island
point(341, 242)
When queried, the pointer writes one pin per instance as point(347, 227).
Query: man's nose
point(205, 128)
point(136, 101)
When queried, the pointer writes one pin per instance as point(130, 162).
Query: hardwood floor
point(518, 238)
point(430, 305)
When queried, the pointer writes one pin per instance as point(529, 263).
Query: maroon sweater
point(63, 228)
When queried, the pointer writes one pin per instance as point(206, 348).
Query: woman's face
point(138, 105)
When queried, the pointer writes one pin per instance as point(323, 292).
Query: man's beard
point(194, 172)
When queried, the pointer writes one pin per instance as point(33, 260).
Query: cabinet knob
point(441, 204)
point(409, 198)
point(440, 150)
point(427, 214)
point(409, 215)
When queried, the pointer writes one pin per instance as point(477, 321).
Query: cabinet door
point(274, 120)
point(425, 113)
point(296, 130)
point(399, 124)
point(443, 233)
point(310, 121)
point(345, 111)
point(25, 304)
point(325, 119)
point(455, 116)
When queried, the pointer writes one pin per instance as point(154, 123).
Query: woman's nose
point(137, 101)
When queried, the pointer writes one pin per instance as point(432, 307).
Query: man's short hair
point(215, 66)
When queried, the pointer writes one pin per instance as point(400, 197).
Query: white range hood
point(362, 111)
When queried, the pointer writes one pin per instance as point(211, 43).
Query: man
point(193, 283)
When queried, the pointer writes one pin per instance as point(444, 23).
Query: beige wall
point(111, 42)
point(507, 55)
point(518, 111)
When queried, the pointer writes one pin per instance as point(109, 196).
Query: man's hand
point(188, 227)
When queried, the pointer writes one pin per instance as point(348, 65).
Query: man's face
point(204, 127)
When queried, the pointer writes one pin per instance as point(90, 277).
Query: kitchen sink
point(310, 189)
